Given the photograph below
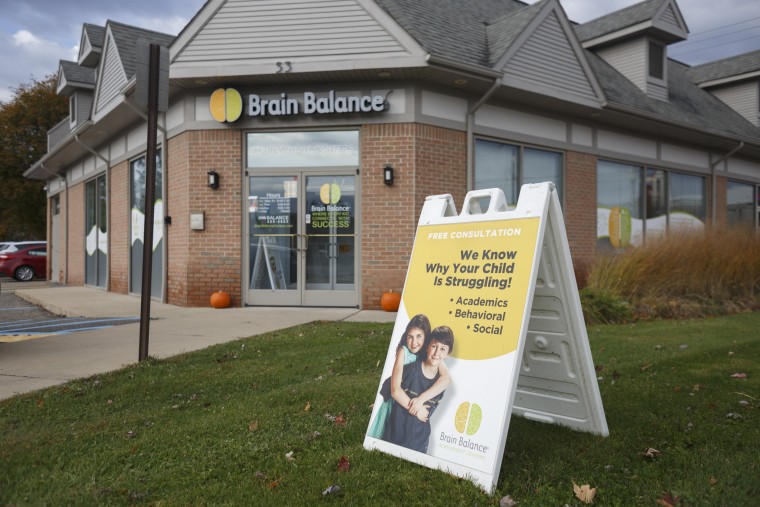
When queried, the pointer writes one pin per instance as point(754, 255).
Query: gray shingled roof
point(96, 34)
point(618, 20)
point(728, 67)
point(75, 74)
point(687, 105)
point(126, 38)
point(452, 28)
point(481, 31)
point(503, 32)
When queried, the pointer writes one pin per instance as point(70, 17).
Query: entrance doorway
point(302, 248)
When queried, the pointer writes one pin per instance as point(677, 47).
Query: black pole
point(150, 197)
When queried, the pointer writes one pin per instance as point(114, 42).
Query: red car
point(25, 262)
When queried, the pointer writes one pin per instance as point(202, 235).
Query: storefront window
point(303, 149)
point(741, 205)
point(497, 165)
point(672, 201)
point(138, 175)
point(687, 206)
point(618, 196)
point(656, 204)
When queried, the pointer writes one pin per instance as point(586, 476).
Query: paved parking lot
point(21, 320)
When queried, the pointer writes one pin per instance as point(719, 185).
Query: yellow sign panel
point(474, 277)
point(226, 105)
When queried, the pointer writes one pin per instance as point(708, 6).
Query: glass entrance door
point(302, 240)
point(330, 235)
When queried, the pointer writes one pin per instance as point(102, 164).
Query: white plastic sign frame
point(502, 281)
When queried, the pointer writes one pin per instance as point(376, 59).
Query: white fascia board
point(730, 79)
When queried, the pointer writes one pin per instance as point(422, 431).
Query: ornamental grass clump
point(682, 275)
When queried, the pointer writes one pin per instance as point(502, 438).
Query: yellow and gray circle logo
point(226, 105)
point(468, 418)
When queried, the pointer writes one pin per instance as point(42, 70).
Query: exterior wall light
point(388, 174)
point(213, 179)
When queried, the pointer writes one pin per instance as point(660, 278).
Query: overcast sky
point(36, 34)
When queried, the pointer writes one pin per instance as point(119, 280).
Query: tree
point(24, 122)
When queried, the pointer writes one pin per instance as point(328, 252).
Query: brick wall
point(75, 268)
point(426, 160)
point(579, 209)
point(119, 228)
point(202, 262)
point(721, 201)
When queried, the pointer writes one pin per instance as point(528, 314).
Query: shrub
point(682, 275)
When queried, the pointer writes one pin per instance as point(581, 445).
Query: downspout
point(713, 165)
point(108, 200)
point(471, 129)
point(66, 193)
point(164, 190)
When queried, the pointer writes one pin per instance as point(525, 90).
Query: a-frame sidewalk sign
point(502, 281)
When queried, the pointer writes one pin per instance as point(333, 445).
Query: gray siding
point(83, 104)
point(657, 90)
point(112, 78)
point(547, 58)
point(283, 29)
point(669, 18)
point(743, 98)
point(630, 59)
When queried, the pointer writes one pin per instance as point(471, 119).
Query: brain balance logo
point(226, 105)
point(466, 420)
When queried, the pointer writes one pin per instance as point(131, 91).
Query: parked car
point(24, 261)
point(13, 246)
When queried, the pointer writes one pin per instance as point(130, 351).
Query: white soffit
point(244, 37)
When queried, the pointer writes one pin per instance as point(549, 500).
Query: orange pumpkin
point(390, 301)
point(220, 299)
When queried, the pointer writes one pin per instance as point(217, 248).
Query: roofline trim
point(612, 36)
point(729, 79)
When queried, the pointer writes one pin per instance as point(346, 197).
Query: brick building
point(298, 109)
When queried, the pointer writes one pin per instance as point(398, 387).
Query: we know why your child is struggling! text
point(487, 262)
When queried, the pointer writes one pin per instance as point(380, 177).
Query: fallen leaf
point(313, 435)
point(253, 425)
point(131, 434)
point(646, 366)
point(331, 490)
point(712, 481)
point(739, 375)
point(109, 402)
point(307, 407)
point(677, 389)
point(289, 456)
point(507, 501)
point(584, 493)
point(651, 452)
point(343, 464)
point(668, 500)
point(273, 484)
point(340, 420)
point(40, 402)
point(330, 417)
point(260, 475)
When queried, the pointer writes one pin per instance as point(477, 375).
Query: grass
point(215, 426)
point(684, 275)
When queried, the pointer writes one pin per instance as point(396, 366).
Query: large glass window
point(508, 167)
point(740, 199)
point(687, 206)
point(138, 174)
point(671, 201)
point(96, 232)
point(303, 149)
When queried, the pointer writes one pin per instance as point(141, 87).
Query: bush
point(683, 275)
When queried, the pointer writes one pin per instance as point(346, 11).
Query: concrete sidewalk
point(43, 362)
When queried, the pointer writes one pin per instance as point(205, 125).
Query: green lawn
point(219, 426)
